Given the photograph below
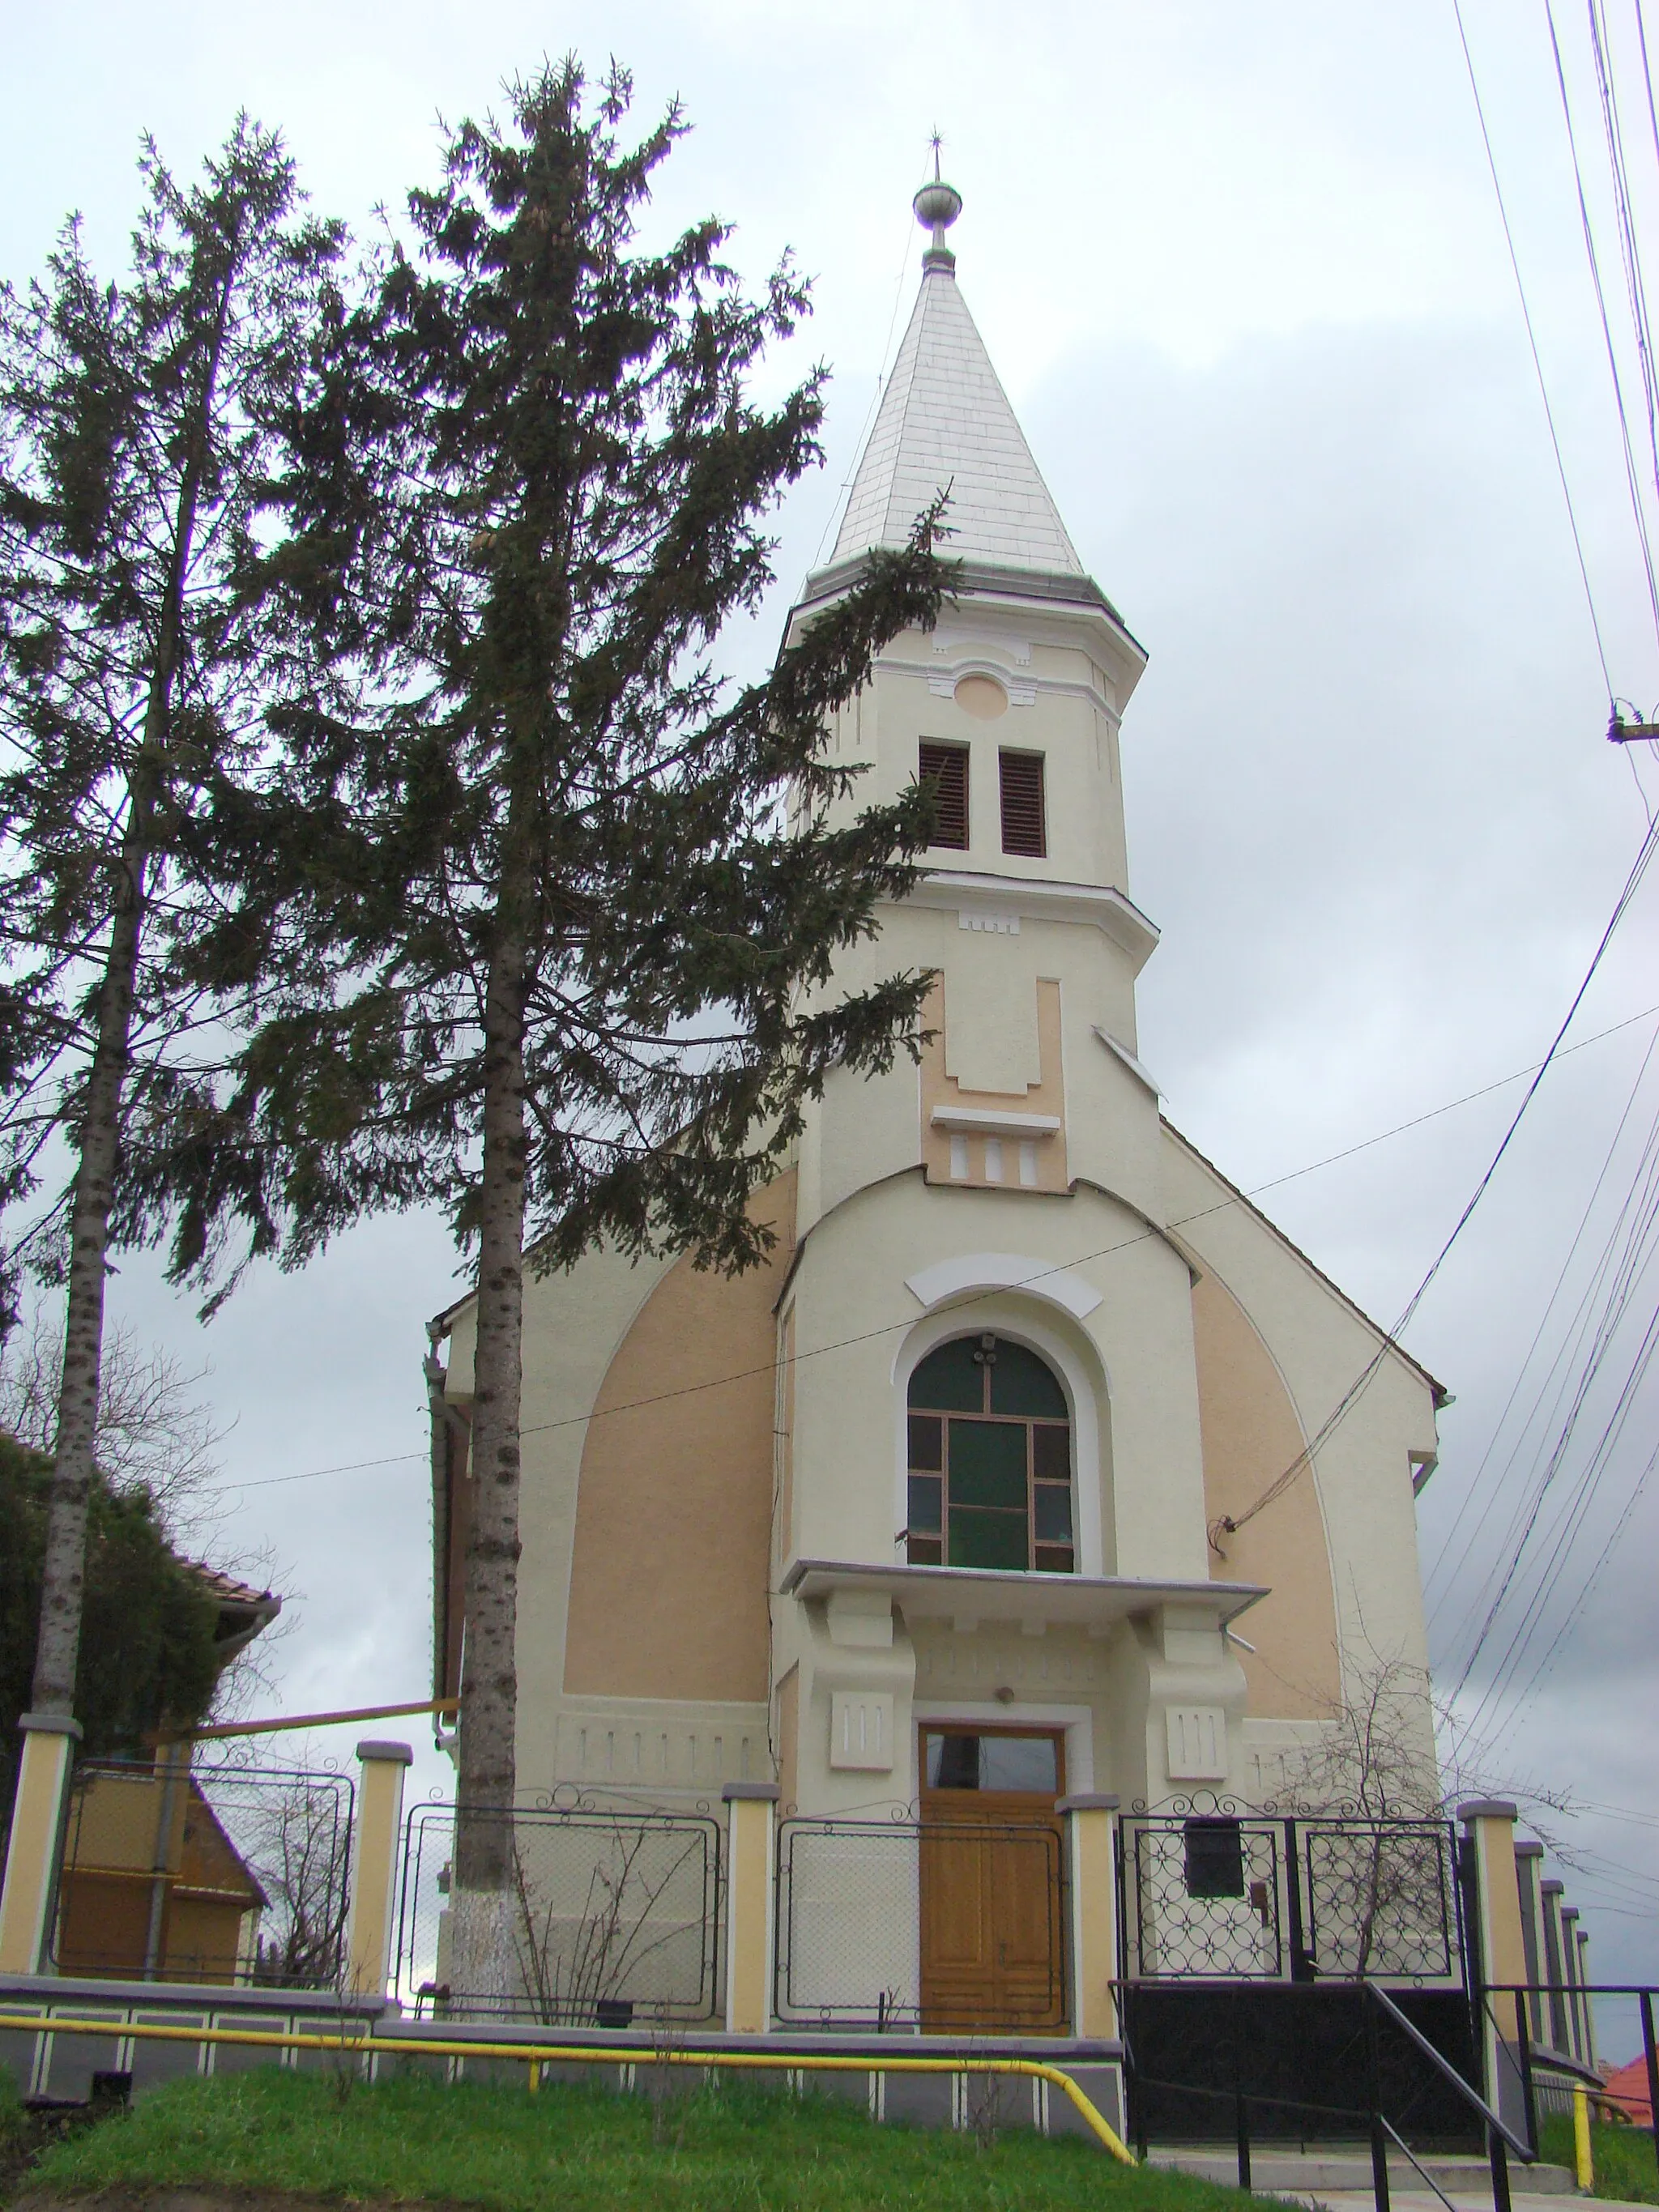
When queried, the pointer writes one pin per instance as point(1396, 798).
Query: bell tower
point(1011, 707)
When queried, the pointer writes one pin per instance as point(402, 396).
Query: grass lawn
point(739, 2148)
point(1624, 2164)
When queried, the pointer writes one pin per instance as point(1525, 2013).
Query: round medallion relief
point(982, 697)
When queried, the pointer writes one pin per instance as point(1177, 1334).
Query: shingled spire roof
point(945, 421)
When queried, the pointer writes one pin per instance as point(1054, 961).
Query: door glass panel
point(979, 1538)
point(926, 1502)
point(952, 1762)
point(987, 1464)
point(992, 1762)
point(1019, 1762)
point(1023, 1384)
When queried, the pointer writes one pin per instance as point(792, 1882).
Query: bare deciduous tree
point(155, 1432)
point(297, 1845)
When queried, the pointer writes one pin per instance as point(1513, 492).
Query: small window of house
point(990, 1481)
point(1024, 829)
point(945, 768)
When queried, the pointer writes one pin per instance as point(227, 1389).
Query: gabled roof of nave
point(944, 421)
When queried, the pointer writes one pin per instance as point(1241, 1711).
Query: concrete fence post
point(1555, 1968)
point(1589, 2001)
point(750, 1876)
point(36, 1842)
point(1091, 1859)
point(1529, 1867)
point(1572, 1975)
point(1489, 1824)
point(374, 1866)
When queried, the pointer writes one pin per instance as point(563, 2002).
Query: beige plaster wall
point(1321, 1344)
point(1043, 1092)
point(669, 1571)
point(853, 1312)
point(1251, 1434)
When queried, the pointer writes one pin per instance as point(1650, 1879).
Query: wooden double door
point(993, 1950)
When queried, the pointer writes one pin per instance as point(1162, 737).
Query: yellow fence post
point(1091, 1852)
point(751, 1850)
point(374, 1866)
point(36, 1841)
point(1489, 1823)
point(1583, 2161)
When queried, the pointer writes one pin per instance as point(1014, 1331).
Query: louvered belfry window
point(945, 767)
point(1024, 828)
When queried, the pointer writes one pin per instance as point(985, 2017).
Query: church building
point(927, 1519)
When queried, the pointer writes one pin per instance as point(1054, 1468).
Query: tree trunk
point(484, 1930)
point(59, 1640)
point(64, 1572)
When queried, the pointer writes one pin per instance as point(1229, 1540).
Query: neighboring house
point(924, 1516)
point(184, 1911)
point(152, 1886)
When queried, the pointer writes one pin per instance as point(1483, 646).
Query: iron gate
point(1226, 1895)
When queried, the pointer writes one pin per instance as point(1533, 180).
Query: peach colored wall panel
point(1251, 1435)
point(669, 1576)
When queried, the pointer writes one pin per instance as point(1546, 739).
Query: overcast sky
point(1243, 273)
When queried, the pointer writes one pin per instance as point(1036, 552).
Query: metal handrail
point(1522, 2150)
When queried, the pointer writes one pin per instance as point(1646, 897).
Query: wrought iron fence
point(1382, 1898)
point(936, 1925)
point(610, 1918)
point(1203, 1897)
point(220, 1871)
point(1210, 1891)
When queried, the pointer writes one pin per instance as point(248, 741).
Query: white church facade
point(926, 1519)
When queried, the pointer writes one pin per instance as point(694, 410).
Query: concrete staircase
point(1339, 2175)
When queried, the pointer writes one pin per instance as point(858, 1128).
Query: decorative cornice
point(1011, 1593)
point(965, 889)
point(994, 1122)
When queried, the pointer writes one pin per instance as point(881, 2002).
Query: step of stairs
point(1341, 2171)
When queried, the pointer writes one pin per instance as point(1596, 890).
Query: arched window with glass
point(990, 1459)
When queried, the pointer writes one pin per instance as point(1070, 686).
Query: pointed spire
point(945, 421)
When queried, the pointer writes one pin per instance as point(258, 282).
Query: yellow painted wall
point(675, 1496)
point(1251, 1435)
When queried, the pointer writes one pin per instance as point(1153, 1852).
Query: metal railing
point(910, 1924)
point(610, 1917)
point(1531, 2060)
point(1379, 2014)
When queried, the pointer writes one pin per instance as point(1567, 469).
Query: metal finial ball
point(937, 205)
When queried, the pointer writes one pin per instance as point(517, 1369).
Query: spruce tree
point(577, 966)
point(140, 622)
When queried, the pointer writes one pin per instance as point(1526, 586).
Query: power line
point(1445, 1571)
point(1256, 1190)
point(1230, 1524)
point(1631, 481)
point(1537, 361)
